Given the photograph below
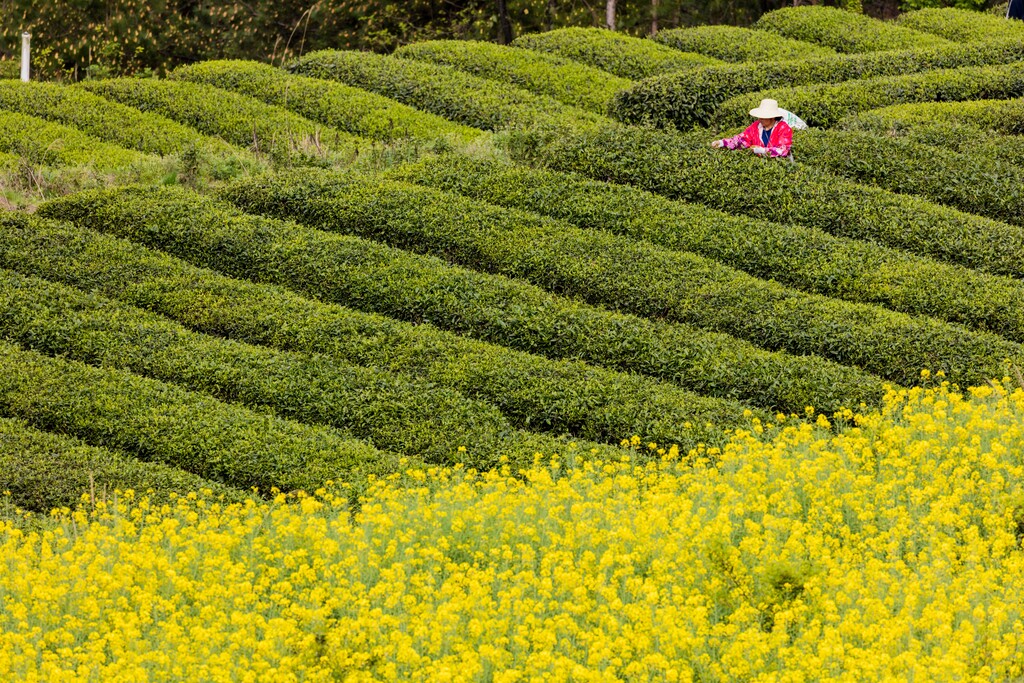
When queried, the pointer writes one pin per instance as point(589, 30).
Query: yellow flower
point(885, 550)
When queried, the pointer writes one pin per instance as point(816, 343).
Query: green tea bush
point(959, 137)
point(999, 115)
point(628, 275)
point(43, 471)
point(441, 90)
point(52, 144)
point(105, 120)
point(961, 26)
point(568, 82)
point(243, 121)
point(514, 314)
point(327, 102)
point(622, 55)
point(690, 98)
point(676, 167)
point(826, 104)
point(160, 422)
point(534, 392)
point(968, 181)
point(395, 413)
point(804, 258)
point(843, 31)
point(738, 44)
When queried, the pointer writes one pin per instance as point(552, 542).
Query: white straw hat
point(768, 109)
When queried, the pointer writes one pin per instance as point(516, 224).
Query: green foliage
point(162, 423)
point(534, 392)
point(967, 180)
point(23, 183)
point(843, 31)
point(118, 37)
point(679, 168)
point(606, 269)
point(327, 102)
point(264, 129)
point(52, 144)
point(105, 120)
point(76, 39)
point(804, 258)
point(738, 44)
point(73, 40)
point(44, 471)
point(961, 23)
point(568, 82)
point(1004, 116)
point(825, 104)
point(692, 98)
point(442, 90)
point(399, 414)
point(959, 137)
point(616, 53)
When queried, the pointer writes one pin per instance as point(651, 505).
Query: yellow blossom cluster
point(889, 549)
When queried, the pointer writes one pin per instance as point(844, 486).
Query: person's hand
point(759, 151)
point(718, 144)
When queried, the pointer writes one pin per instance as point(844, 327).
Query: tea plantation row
point(613, 310)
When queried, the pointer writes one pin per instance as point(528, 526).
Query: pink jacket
point(779, 143)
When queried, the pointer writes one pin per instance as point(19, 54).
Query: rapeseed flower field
point(882, 545)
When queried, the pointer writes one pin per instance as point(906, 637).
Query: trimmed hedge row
point(568, 82)
point(395, 413)
point(961, 26)
point(692, 98)
point(51, 144)
point(843, 31)
point(163, 423)
point(278, 133)
point(738, 44)
point(675, 167)
point(534, 392)
point(442, 90)
point(804, 258)
point(105, 120)
point(1004, 116)
point(959, 137)
point(44, 471)
point(616, 53)
point(415, 287)
point(825, 104)
point(967, 181)
point(606, 269)
point(515, 314)
point(330, 103)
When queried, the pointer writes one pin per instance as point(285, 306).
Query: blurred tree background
point(75, 39)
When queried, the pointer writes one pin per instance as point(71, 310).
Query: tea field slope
point(848, 286)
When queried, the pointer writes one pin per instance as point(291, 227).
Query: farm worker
point(768, 136)
point(1015, 9)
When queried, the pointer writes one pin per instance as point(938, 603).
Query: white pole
point(26, 42)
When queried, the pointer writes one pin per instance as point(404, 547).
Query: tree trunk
point(654, 17)
point(609, 14)
point(504, 23)
point(549, 14)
